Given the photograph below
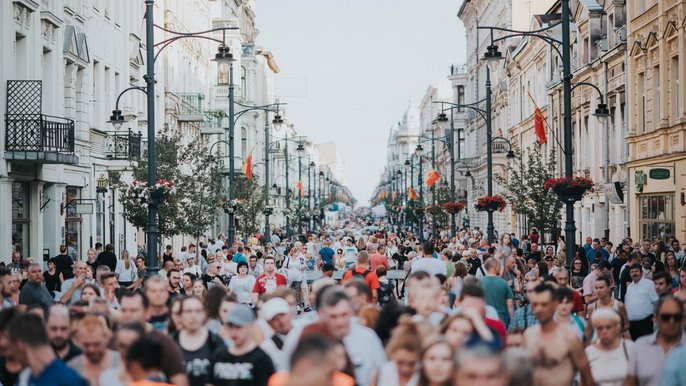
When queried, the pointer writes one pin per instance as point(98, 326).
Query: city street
point(319, 192)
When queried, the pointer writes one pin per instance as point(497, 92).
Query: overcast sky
point(349, 67)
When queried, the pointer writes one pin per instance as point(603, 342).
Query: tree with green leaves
point(250, 210)
point(524, 189)
point(197, 177)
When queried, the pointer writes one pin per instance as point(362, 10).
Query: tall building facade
point(656, 137)
point(66, 65)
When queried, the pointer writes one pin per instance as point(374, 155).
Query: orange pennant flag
point(411, 194)
point(395, 195)
point(247, 167)
point(432, 177)
point(299, 186)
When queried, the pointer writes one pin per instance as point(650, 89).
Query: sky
point(349, 67)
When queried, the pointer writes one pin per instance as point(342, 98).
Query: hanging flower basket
point(140, 191)
point(453, 207)
point(434, 209)
point(569, 189)
point(490, 204)
point(231, 206)
point(419, 211)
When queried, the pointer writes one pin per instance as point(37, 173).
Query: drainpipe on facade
point(606, 134)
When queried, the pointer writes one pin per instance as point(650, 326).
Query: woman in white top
point(609, 354)
point(192, 267)
point(295, 264)
point(242, 284)
point(505, 247)
point(125, 270)
point(403, 351)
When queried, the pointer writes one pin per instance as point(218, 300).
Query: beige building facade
point(657, 124)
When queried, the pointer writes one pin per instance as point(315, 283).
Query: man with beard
point(6, 287)
point(93, 335)
point(58, 325)
point(556, 351)
point(29, 343)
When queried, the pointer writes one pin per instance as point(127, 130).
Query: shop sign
point(659, 173)
point(86, 208)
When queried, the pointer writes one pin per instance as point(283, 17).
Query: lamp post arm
point(220, 141)
point(471, 106)
point(116, 104)
point(501, 138)
point(602, 96)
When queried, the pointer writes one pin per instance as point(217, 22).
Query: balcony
point(190, 107)
point(32, 136)
point(123, 145)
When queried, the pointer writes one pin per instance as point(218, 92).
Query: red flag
point(539, 121)
point(247, 167)
point(411, 194)
point(432, 177)
point(299, 186)
point(539, 125)
point(395, 195)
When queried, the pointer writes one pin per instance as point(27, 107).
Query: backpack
point(385, 293)
point(357, 275)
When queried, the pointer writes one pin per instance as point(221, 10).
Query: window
point(656, 216)
point(244, 143)
point(676, 99)
point(640, 108)
point(72, 226)
point(244, 83)
point(20, 217)
point(658, 96)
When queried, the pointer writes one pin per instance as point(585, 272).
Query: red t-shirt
point(578, 303)
point(499, 327)
point(378, 259)
point(371, 279)
point(265, 284)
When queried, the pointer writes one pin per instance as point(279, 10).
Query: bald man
point(58, 326)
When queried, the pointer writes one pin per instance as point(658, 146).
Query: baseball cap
point(273, 307)
point(240, 315)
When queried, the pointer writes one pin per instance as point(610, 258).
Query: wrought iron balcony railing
point(39, 138)
point(123, 145)
point(30, 135)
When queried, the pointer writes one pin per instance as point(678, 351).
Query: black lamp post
point(152, 227)
point(301, 150)
point(561, 47)
point(418, 152)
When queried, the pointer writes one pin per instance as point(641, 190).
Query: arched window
point(244, 142)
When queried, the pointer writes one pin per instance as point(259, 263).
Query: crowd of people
point(343, 307)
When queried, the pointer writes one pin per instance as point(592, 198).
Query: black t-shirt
point(160, 322)
point(63, 264)
point(52, 282)
point(73, 352)
point(535, 255)
point(7, 377)
point(107, 258)
point(197, 363)
point(474, 263)
point(209, 280)
point(251, 369)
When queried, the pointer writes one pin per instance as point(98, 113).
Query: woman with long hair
point(455, 282)
point(672, 267)
point(578, 273)
point(295, 265)
point(212, 303)
point(125, 270)
point(504, 248)
point(403, 352)
point(187, 281)
point(603, 291)
point(199, 289)
point(196, 341)
point(436, 363)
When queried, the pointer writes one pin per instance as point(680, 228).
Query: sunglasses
point(548, 259)
point(671, 317)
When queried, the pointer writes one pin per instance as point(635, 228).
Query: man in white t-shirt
point(350, 253)
point(428, 263)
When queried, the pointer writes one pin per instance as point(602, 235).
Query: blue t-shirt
point(327, 255)
point(57, 373)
